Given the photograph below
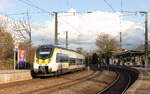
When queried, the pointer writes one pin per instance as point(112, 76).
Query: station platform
point(142, 84)
point(7, 76)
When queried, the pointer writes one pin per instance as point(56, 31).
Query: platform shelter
point(131, 58)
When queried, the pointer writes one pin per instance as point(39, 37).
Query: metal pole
point(120, 41)
point(30, 38)
point(88, 63)
point(120, 16)
point(66, 39)
point(56, 29)
point(146, 37)
point(18, 58)
point(14, 60)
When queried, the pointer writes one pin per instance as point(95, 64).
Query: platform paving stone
point(142, 84)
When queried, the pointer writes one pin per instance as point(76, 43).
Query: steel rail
point(109, 86)
point(127, 86)
point(128, 82)
point(61, 85)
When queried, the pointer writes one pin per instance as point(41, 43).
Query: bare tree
point(6, 42)
point(11, 32)
point(106, 44)
point(141, 47)
point(23, 30)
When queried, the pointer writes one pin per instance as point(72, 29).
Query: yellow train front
point(51, 59)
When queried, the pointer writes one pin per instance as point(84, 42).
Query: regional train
point(50, 59)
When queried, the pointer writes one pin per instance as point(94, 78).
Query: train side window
point(58, 57)
point(80, 60)
point(72, 61)
point(83, 61)
point(61, 57)
point(65, 58)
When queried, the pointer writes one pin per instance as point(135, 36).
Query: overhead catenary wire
point(23, 13)
point(45, 11)
point(70, 25)
point(110, 6)
point(39, 8)
point(34, 6)
point(122, 11)
point(120, 16)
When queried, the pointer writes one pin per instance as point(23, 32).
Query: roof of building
point(131, 52)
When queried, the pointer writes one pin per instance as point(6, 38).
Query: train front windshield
point(44, 53)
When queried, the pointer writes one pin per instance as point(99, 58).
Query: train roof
point(53, 46)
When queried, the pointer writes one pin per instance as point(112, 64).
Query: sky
point(17, 6)
point(83, 27)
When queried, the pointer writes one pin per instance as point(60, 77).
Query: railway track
point(53, 88)
point(125, 77)
point(28, 85)
point(77, 83)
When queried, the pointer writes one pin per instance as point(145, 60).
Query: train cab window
point(44, 53)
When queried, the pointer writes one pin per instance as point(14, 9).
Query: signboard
point(21, 58)
point(125, 49)
point(44, 53)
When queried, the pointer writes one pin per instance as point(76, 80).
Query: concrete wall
point(7, 76)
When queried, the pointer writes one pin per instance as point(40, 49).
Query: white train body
point(52, 59)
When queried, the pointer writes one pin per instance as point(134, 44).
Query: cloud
point(133, 37)
point(84, 28)
point(5, 4)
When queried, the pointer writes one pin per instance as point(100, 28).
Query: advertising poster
point(22, 58)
